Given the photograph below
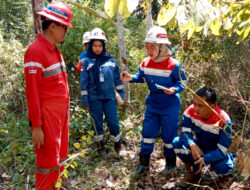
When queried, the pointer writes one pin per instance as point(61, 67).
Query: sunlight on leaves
point(166, 14)
point(77, 145)
point(91, 133)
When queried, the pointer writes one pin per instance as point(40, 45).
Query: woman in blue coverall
point(100, 79)
point(165, 78)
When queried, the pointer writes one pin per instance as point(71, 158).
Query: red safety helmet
point(58, 12)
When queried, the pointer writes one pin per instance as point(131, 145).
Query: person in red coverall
point(47, 95)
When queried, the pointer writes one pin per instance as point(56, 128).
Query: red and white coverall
point(47, 96)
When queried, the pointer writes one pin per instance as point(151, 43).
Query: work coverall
point(103, 101)
point(212, 136)
point(162, 110)
point(48, 98)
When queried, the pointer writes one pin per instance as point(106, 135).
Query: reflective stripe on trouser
point(109, 107)
point(151, 127)
point(222, 166)
point(55, 116)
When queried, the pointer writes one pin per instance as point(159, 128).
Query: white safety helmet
point(97, 34)
point(157, 35)
point(86, 37)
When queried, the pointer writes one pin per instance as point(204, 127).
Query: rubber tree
point(37, 5)
point(122, 51)
point(149, 18)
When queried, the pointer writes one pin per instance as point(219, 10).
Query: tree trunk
point(122, 51)
point(37, 5)
point(149, 18)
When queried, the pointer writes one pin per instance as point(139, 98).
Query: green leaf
point(77, 145)
point(184, 14)
point(199, 13)
point(92, 11)
point(244, 35)
point(191, 31)
point(167, 14)
point(65, 173)
point(215, 27)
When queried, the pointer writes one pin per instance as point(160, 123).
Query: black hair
point(208, 93)
point(45, 23)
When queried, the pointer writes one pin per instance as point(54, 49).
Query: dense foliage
point(217, 62)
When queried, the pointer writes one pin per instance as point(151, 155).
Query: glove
point(71, 66)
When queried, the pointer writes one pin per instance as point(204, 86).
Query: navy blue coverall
point(162, 110)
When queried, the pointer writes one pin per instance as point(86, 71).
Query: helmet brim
point(165, 41)
point(50, 17)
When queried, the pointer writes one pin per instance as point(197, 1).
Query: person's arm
point(179, 78)
point(225, 140)
point(138, 77)
point(187, 137)
point(33, 70)
point(84, 84)
point(118, 83)
point(186, 130)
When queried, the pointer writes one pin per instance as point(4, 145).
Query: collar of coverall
point(163, 54)
point(50, 47)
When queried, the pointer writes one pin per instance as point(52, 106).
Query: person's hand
point(170, 91)
point(126, 77)
point(87, 108)
point(200, 161)
point(196, 151)
point(38, 136)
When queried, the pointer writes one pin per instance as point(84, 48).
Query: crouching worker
point(213, 137)
point(100, 79)
point(47, 95)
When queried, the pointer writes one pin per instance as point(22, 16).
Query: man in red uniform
point(47, 95)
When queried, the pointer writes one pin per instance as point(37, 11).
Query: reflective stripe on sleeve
point(186, 129)
point(120, 87)
point(89, 66)
point(116, 138)
point(149, 141)
point(84, 92)
point(168, 145)
point(222, 148)
point(33, 64)
point(182, 151)
point(46, 171)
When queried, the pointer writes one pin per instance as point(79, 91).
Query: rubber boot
point(118, 146)
point(101, 149)
point(170, 165)
point(143, 168)
point(190, 177)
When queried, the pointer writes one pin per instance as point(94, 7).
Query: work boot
point(190, 177)
point(101, 149)
point(118, 146)
point(170, 166)
point(143, 168)
point(225, 182)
